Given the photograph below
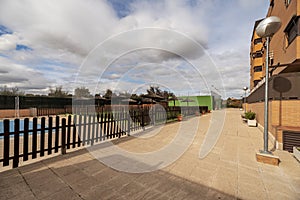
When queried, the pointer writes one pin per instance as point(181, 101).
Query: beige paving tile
point(214, 194)
point(251, 192)
point(252, 179)
point(278, 195)
point(64, 194)
point(202, 176)
point(230, 171)
point(8, 179)
point(226, 181)
point(279, 187)
point(15, 192)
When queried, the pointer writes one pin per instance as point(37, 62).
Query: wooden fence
point(21, 139)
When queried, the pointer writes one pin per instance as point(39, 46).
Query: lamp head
point(268, 27)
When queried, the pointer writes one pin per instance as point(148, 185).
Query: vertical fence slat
point(42, 137)
point(79, 131)
point(128, 125)
point(98, 133)
point(113, 118)
point(25, 139)
point(63, 136)
point(143, 119)
point(50, 123)
point(122, 122)
point(135, 120)
point(119, 128)
point(106, 125)
point(56, 134)
point(84, 129)
point(93, 130)
point(16, 143)
point(110, 125)
point(89, 129)
point(101, 127)
point(6, 143)
point(125, 122)
point(69, 132)
point(74, 131)
point(34, 138)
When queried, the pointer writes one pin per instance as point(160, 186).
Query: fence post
point(63, 136)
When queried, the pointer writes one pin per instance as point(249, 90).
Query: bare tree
point(82, 92)
point(11, 91)
point(57, 92)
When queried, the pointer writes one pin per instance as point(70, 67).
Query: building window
point(257, 68)
point(292, 29)
point(287, 2)
point(256, 82)
point(257, 54)
point(258, 40)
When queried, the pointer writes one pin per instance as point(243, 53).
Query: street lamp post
point(245, 89)
point(266, 29)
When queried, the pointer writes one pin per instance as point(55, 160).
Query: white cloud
point(8, 42)
point(22, 76)
point(62, 33)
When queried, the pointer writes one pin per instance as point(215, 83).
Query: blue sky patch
point(4, 30)
point(20, 47)
point(122, 8)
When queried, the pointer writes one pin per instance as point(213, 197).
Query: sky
point(189, 47)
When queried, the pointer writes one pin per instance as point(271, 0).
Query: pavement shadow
point(78, 176)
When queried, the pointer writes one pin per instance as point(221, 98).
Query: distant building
point(284, 73)
point(213, 102)
point(233, 103)
point(256, 58)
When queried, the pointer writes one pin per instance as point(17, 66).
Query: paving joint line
point(27, 183)
point(64, 181)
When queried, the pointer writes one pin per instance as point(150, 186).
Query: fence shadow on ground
point(78, 176)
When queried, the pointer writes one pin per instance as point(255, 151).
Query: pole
point(245, 89)
point(266, 108)
point(245, 103)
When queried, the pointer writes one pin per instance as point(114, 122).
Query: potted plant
point(179, 117)
point(296, 153)
point(250, 116)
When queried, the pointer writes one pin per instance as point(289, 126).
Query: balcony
point(257, 61)
point(257, 47)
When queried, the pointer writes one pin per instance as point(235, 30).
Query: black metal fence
point(8, 102)
point(20, 139)
point(281, 87)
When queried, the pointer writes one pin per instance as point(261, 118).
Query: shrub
point(250, 115)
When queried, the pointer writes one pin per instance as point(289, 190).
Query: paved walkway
point(230, 171)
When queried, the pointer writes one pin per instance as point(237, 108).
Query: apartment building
point(284, 73)
point(256, 58)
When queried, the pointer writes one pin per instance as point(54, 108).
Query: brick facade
point(283, 115)
point(11, 113)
